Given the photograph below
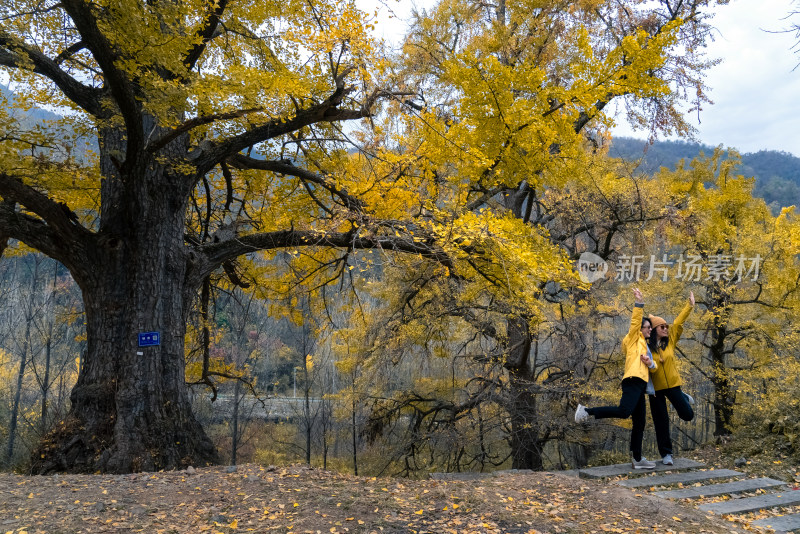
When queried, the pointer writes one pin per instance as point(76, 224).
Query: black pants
point(630, 405)
point(658, 409)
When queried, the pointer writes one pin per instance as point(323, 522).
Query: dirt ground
point(299, 499)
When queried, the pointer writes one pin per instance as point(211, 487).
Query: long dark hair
point(653, 343)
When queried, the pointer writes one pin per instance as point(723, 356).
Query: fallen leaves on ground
point(300, 499)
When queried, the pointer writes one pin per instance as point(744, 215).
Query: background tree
point(776, 173)
point(38, 319)
point(236, 354)
point(745, 260)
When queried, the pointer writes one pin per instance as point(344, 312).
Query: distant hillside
point(777, 173)
point(37, 117)
point(32, 116)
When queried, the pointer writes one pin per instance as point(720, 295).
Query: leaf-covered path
point(301, 499)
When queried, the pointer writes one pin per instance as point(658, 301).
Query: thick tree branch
point(69, 52)
point(244, 162)
point(38, 235)
point(584, 117)
point(191, 124)
point(319, 113)
point(206, 33)
point(326, 111)
point(84, 15)
point(88, 98)
point(215, 254)
point(57, 232)
point(488, 195)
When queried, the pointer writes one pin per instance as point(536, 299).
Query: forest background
point(425, 311)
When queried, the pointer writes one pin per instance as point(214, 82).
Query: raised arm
point(636, 316)
point(677, 327)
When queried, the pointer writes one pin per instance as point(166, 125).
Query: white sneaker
point(689, 398)
point(643, 464)
point(667, 460)
point(581, 415)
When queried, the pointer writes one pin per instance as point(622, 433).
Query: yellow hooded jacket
point(668, 375)
point(634, 345)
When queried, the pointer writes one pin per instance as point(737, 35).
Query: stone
point(727, 488)
point(784, 523)
point(752, 504)
point(681, 464)
point(690, 477)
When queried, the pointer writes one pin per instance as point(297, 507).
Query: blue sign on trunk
point(149, 339)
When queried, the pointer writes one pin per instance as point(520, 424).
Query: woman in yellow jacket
point(667, 380)
point(639, 365)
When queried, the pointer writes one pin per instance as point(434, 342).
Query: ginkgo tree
point(749, 283)
point(228, 98)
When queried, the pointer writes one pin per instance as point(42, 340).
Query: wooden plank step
point(605, 471)
point(752, 504)
point(689, 477)
point(784, 523)
point(726, 488)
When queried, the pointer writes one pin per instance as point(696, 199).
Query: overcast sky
point(756, 91)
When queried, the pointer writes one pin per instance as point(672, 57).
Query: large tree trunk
point(526, 447)
point(718, 298)
point(130, 409)
point(723, 393)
